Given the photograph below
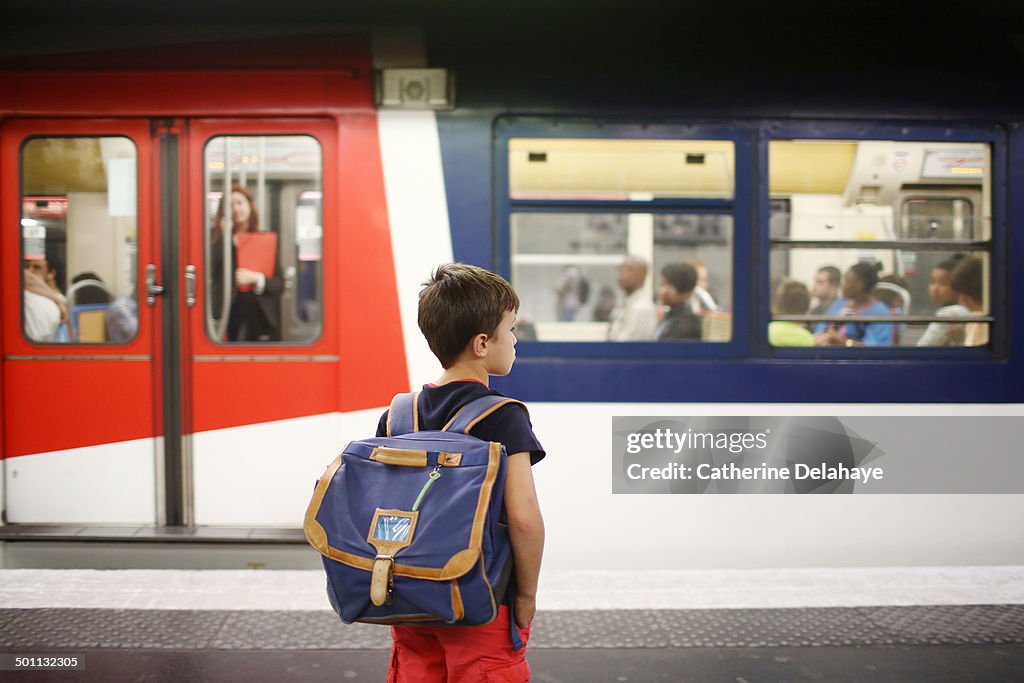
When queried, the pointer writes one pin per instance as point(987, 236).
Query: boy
point(467, 315)
point(678, 281)
point(791, 298)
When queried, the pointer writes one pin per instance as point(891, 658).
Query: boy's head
point(677, 283)
point(458, 302)
point(967, 280)
point(792, 298)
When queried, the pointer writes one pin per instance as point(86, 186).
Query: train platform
point(878, 624)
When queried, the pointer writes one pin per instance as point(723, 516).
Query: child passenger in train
point(941, 291)
point(680, 322)
point(858, 282)
point(468, 317)
point(791, 298)
point(968, 282)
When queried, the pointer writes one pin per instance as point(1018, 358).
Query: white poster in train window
point(33, 235)
point(954, 163)
point(308, 233)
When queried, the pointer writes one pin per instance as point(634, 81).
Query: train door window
point(268, 286)
point(79, 224)
point(622, 239)
point(880, 243)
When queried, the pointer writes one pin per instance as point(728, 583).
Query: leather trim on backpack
point(457, 607)
point(493, 464)
point(315, 534)
point(415, 412)
point(460, 563)
point(399, 456)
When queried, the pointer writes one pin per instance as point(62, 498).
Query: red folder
point(257, 251)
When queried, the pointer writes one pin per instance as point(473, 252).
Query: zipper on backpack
point(431, 478)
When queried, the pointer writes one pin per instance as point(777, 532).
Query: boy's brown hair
point(458, 302)
point(792, 298)
point(967, 278)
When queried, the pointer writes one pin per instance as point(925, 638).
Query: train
point(548, 152)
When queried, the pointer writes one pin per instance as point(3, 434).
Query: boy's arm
point(526, 530)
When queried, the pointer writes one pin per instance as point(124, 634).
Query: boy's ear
point(478, 345)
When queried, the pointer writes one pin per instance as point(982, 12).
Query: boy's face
point(669, 295)
point(940, 289)
point(501, 351)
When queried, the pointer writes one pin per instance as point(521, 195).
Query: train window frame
point(70, 344)
point(739, 207)
point(207, 251)
point(996, 245)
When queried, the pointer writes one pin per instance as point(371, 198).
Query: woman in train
point(255, 312)
point(858, 283)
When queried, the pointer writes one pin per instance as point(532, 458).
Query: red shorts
point(458, 654)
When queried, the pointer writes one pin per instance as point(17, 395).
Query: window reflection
point(79, 239)
point(263, 238)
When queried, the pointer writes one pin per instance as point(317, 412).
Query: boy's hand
point(526, 608)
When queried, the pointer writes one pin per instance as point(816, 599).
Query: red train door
point(261, 363)
point(81, 361)
point(172, 318)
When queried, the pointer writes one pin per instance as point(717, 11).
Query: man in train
point(635, 318)
point(45, 308)
point(825, 289)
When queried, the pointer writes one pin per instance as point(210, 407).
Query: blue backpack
point(409, 525)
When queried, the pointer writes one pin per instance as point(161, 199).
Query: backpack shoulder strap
point(474, 411)
point(404, 414)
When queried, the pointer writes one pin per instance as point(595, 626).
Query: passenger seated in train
point(44, 305)
point(892, 291)
point(858, 282)
point(255, 311)
point(636, 318)
point(941, 291)
point(791, 298)
point(680, 322)
point(43, 314)
point(701, 300)
point(967, 281)
point(88, 289)
point(122, 319)
point(825, 289)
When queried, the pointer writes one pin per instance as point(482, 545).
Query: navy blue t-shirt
point(508, 425)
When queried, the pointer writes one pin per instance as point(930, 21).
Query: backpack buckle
point(382, 583)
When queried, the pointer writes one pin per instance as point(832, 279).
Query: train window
point(591, 260)
point(268, 287)
point(78, 247)
point(880, 243)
